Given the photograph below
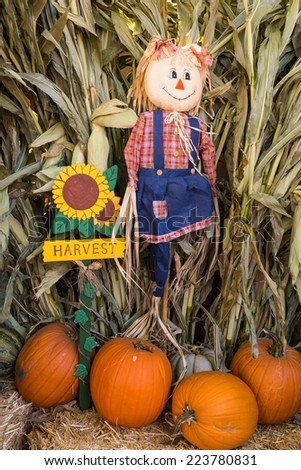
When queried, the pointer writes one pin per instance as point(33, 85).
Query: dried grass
point(73, 429)
point(285, 436)
point(86, 430)
point(14, 413)
point(77, 430)
point(67, 427)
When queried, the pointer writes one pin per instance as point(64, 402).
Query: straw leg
point(164, 313)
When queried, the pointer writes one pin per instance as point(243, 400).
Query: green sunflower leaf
point(107, 231)
point(81, 317)
point(111, 175)
point(81, 371)
point(63, 224)
point(86, 227)
point(90, 343)
point(89, 290)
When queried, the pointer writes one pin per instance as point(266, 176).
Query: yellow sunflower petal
point(80, 215)
point(86, 170)
point(57, 191)
point(64, 208)
point(72, 213)
point(103, 192)
point(100, 179)
point(65, 175)
point(97, 208)
point(58, 183)
point(77, 168)
point(115, 200)
point(88, 214)
point(95, 173)
point(60, 200)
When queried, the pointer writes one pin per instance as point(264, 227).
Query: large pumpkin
point(46, 364)
point(130, 382)
point(10, 344)
point(215, 410)
point(274, 378)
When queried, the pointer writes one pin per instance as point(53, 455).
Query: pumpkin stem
point(144, 347)
point(188, 416)
point(72, 333)
point(276, 349)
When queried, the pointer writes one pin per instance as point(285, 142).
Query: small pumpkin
point(274, 377)
point(215, 410)
point(10, 344)
point(46, 364)
point(130, 382)
point(194, 362)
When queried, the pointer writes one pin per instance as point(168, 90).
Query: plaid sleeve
point(208, 153)
point(132, 151)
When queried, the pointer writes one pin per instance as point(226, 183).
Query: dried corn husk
point(114, 113)
point(51, 276)
point(78, 155)
point(4, 223)
point(49, 173)
point(18, 230)
point(295, 245)
point(98, 148)
point(46, 188)
point(52, 134)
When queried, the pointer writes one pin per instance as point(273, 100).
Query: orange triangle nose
point(179, 85)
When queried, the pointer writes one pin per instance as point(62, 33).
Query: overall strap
point(158, 126)
point(195, 137)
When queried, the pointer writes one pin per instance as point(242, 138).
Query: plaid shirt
point(139, 151)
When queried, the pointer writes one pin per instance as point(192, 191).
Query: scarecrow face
point(173, 84)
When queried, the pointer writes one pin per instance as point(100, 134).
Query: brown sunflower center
point(80, 192)
point(107, 213)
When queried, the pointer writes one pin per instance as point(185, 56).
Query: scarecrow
point(170, 157)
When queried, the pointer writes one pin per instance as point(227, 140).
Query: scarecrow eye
point(186, 75)
point(173, 73)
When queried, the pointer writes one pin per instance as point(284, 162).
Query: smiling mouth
point(179, 99)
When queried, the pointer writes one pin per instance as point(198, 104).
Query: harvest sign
point(68, 250)
point(87, 205)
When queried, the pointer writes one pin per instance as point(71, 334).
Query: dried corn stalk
point(61, 61)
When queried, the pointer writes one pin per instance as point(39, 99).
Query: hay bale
point(284, 436)
point(14, 414)
point(73, 429)
point(67, 427)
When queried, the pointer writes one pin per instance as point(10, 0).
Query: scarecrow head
point(171, 78)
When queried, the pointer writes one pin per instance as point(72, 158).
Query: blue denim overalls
point(184, 194)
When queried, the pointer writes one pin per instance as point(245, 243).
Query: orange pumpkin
point(274, 378)
point(215, 410)
point(130, 382)
point(46, 364)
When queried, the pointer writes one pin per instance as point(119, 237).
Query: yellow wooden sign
point(71, 250)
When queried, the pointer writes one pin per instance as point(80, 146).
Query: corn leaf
point(271, 202)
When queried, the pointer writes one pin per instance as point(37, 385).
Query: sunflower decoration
point(109, 213)
point(80, 191)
